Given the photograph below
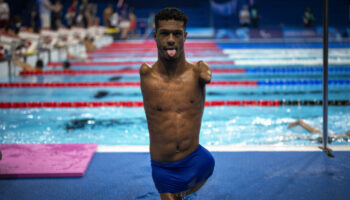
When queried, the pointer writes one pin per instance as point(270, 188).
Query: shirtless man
point(173, 92)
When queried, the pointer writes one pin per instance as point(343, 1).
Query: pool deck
point(248, 172)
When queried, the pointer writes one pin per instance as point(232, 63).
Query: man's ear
point(185, 35)
point(154, 34)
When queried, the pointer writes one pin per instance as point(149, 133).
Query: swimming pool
point(222, 125)
point(127, 126)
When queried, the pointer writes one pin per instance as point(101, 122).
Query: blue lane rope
point(296, 70)
point(302, 82)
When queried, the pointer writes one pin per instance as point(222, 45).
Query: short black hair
point(88, 38)
point(66, 65)
point(39, 64)
point(170, 13)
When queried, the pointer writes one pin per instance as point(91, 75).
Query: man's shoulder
point(199, 64)
point(145, 69)
point(192, 65)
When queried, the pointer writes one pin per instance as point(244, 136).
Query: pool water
point(224, 125)
point(287, 92)
point(127, 126)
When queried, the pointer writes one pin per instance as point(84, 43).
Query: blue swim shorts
point(180, 176)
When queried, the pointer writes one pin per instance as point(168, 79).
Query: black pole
point(325, 79)
point(9, 68)
point(49, 55)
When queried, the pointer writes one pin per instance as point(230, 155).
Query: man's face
point(170, 37)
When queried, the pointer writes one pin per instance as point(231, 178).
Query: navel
point(159, 108)
point(177, 148)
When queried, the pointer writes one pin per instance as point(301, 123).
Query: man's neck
point(172, 68)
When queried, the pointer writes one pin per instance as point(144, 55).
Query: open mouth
point(170, 51)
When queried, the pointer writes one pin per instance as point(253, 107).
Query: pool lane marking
point(106, 84)
point(227, 148)
point(136, 84)
point(214, 70)
point(122, 71)
point(124, 63)
point(95, 104)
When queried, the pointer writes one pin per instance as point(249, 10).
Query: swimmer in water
point(173, 92)
point(39, 65)
point(83, 55)
point(313, 130)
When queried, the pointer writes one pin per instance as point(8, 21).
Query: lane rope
point(94, 104)
point(213, 83)
point(126, 63)
point(215, 70)
point(122, 71)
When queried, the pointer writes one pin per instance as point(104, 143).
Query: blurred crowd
point(51, 25)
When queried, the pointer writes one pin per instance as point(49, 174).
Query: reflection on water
point(92, 123)
point(249, 125)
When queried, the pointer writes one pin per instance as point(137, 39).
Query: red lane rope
point(151, 50)
point(129, 71)
point(139, 56)
point(6, 105)
point(78, 104)
point(124, 63)
point(106, 84)
point(59, 64)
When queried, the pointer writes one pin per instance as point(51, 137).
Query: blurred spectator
point(124, 21)
point(114, 19)
point(16, 24)
point(56, 15)
point(107, 15)
point(4, 14)
point(82, 19)
point(70, 15)
point(45, 13)
point(132, 19)
point(34, 19)
point(92, 10)
point(244, 16)
point(150, 25)
point(124, 14)
point(308, 18)
point(255, 16)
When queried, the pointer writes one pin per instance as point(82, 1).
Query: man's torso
point(174, 108)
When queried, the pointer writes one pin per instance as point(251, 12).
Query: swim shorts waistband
point(179, 162)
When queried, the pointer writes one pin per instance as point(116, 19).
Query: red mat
point(45, 160)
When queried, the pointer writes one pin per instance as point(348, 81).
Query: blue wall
point(277, 13)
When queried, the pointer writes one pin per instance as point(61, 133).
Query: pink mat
point(45, 160)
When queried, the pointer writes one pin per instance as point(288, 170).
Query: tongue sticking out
point(171, 52)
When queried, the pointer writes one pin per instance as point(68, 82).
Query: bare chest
point(178, 94)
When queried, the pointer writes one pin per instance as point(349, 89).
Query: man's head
point(66, 65)
point(170, 13)
point(170, 33)
point(88, 39)
point(39, 64)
